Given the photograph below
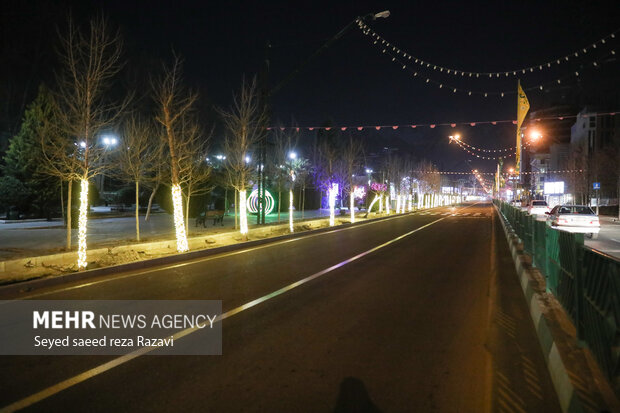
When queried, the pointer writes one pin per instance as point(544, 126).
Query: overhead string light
point(470, 92)
point(513, 148)
point(439, 124)
point(503, 173)
point(387, 46)
point(478, 155)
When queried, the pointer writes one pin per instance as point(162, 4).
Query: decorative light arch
point(252, 202)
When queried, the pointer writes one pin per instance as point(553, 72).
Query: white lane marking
point(197, 260)
point(65, 384)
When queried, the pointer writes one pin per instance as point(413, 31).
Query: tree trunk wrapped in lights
point(179, 222)
point(290, 209)
point(352, 206)
point(243, 218)
point(82, 221)
point(332, 193)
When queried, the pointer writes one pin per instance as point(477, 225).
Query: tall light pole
point(267, 94)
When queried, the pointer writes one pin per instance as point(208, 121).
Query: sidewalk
point(30, 238)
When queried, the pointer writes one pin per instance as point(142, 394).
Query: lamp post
point(267, 94)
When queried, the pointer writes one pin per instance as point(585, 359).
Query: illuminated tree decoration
point(332, 193)
point(410, 202)
point(359, 192)
point(243, 216)
point(290, 210)
point(377, 187)
point(387, 204)
point(352, 206)
point(252, 202)
point(179, 222)
point(397, 204)
point(374, 201)
point(82, 220)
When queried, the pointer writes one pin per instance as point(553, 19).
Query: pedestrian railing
point(585, 281)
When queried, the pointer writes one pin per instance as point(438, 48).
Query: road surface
point(432, 321)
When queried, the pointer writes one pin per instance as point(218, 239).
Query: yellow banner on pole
point(523, 105)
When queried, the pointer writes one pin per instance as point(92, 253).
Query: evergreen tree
point(23, 159)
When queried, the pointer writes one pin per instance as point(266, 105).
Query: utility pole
point(267, 92)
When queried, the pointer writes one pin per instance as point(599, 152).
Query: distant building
point(595, 148)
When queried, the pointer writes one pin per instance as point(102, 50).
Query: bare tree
point(280, 161)
point(174, 103)
point(136, 157)
point(89, 59)
point(326, 171)
point(351, 158)
point(194, 171)
point(243, 122)
point(159, 174)
point(60, 159)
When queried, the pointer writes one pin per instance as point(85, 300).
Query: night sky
point(352, 83)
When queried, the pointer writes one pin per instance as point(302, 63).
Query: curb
point(9, 291)
point(568, 396)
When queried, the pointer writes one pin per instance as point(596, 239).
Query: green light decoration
point(252, 202)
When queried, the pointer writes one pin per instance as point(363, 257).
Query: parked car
point(516, 203)
point(575, 218)
point(537, 207)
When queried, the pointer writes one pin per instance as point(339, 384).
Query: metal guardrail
point(585, 281)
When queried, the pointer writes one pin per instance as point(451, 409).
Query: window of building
point(592, 121)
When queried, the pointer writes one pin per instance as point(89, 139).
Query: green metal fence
point(585, 281)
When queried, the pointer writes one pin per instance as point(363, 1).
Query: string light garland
point(382, 42)
point(438, 124)
point(459, 140)
point(503, 173)
point(477, 155)
point(470, 92)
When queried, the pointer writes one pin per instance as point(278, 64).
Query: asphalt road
point(434, 321)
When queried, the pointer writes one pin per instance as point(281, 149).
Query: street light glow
point(292, 155)
point(535, 135)
point(109, 140)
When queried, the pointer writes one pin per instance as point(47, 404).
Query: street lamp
point(292, 155)
point(109, 140)
point(382, 14)
point(535, 135)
